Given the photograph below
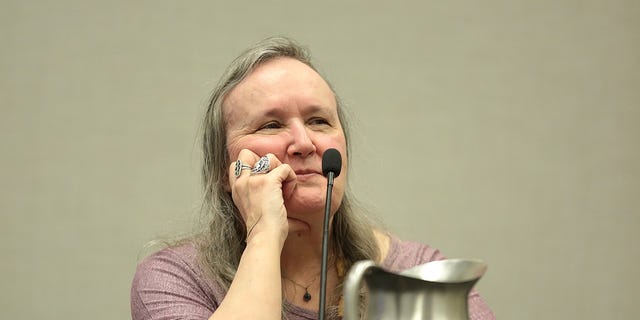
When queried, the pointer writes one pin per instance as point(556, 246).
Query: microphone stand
point(325, 245)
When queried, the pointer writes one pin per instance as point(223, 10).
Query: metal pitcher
point(434, 290)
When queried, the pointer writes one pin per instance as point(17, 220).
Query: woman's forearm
point(256, 290)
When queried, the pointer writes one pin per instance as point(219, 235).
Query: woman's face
point(285, 108)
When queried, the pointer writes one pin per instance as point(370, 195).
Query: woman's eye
point(270, 125)
point(318, 121)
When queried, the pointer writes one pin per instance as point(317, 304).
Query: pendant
point(307, 296)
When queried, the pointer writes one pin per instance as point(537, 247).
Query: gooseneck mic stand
point(331, 166)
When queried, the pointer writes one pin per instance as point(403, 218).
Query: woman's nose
point(301, 143)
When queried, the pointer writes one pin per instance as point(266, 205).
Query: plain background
point(501, 130)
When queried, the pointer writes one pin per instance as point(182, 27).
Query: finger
point(265, 164)
point(287, 178)
point(285, 175)
point(237, 169)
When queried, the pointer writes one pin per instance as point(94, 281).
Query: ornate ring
point(262, 166)
point(241, 166)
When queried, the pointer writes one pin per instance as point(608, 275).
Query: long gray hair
point(221, 244)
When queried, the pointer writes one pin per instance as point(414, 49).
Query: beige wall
point(504, 130)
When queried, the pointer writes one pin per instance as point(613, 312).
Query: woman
point(269, 121)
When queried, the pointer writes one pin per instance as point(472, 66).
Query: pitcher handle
point(352, 285)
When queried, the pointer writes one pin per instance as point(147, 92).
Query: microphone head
point(331, 162)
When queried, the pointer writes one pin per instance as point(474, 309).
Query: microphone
point(331, 162)
point(331, 167)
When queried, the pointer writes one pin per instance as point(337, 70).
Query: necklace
point(307, 296)
point(340, 270)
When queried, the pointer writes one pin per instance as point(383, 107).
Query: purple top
point(170, 284)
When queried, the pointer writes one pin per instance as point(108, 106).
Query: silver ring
point(262, 166)
point(241, 166)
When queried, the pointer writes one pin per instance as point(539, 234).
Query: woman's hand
point(260, 200)
point(260, 196)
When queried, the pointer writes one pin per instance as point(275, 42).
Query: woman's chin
point(303, 206)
